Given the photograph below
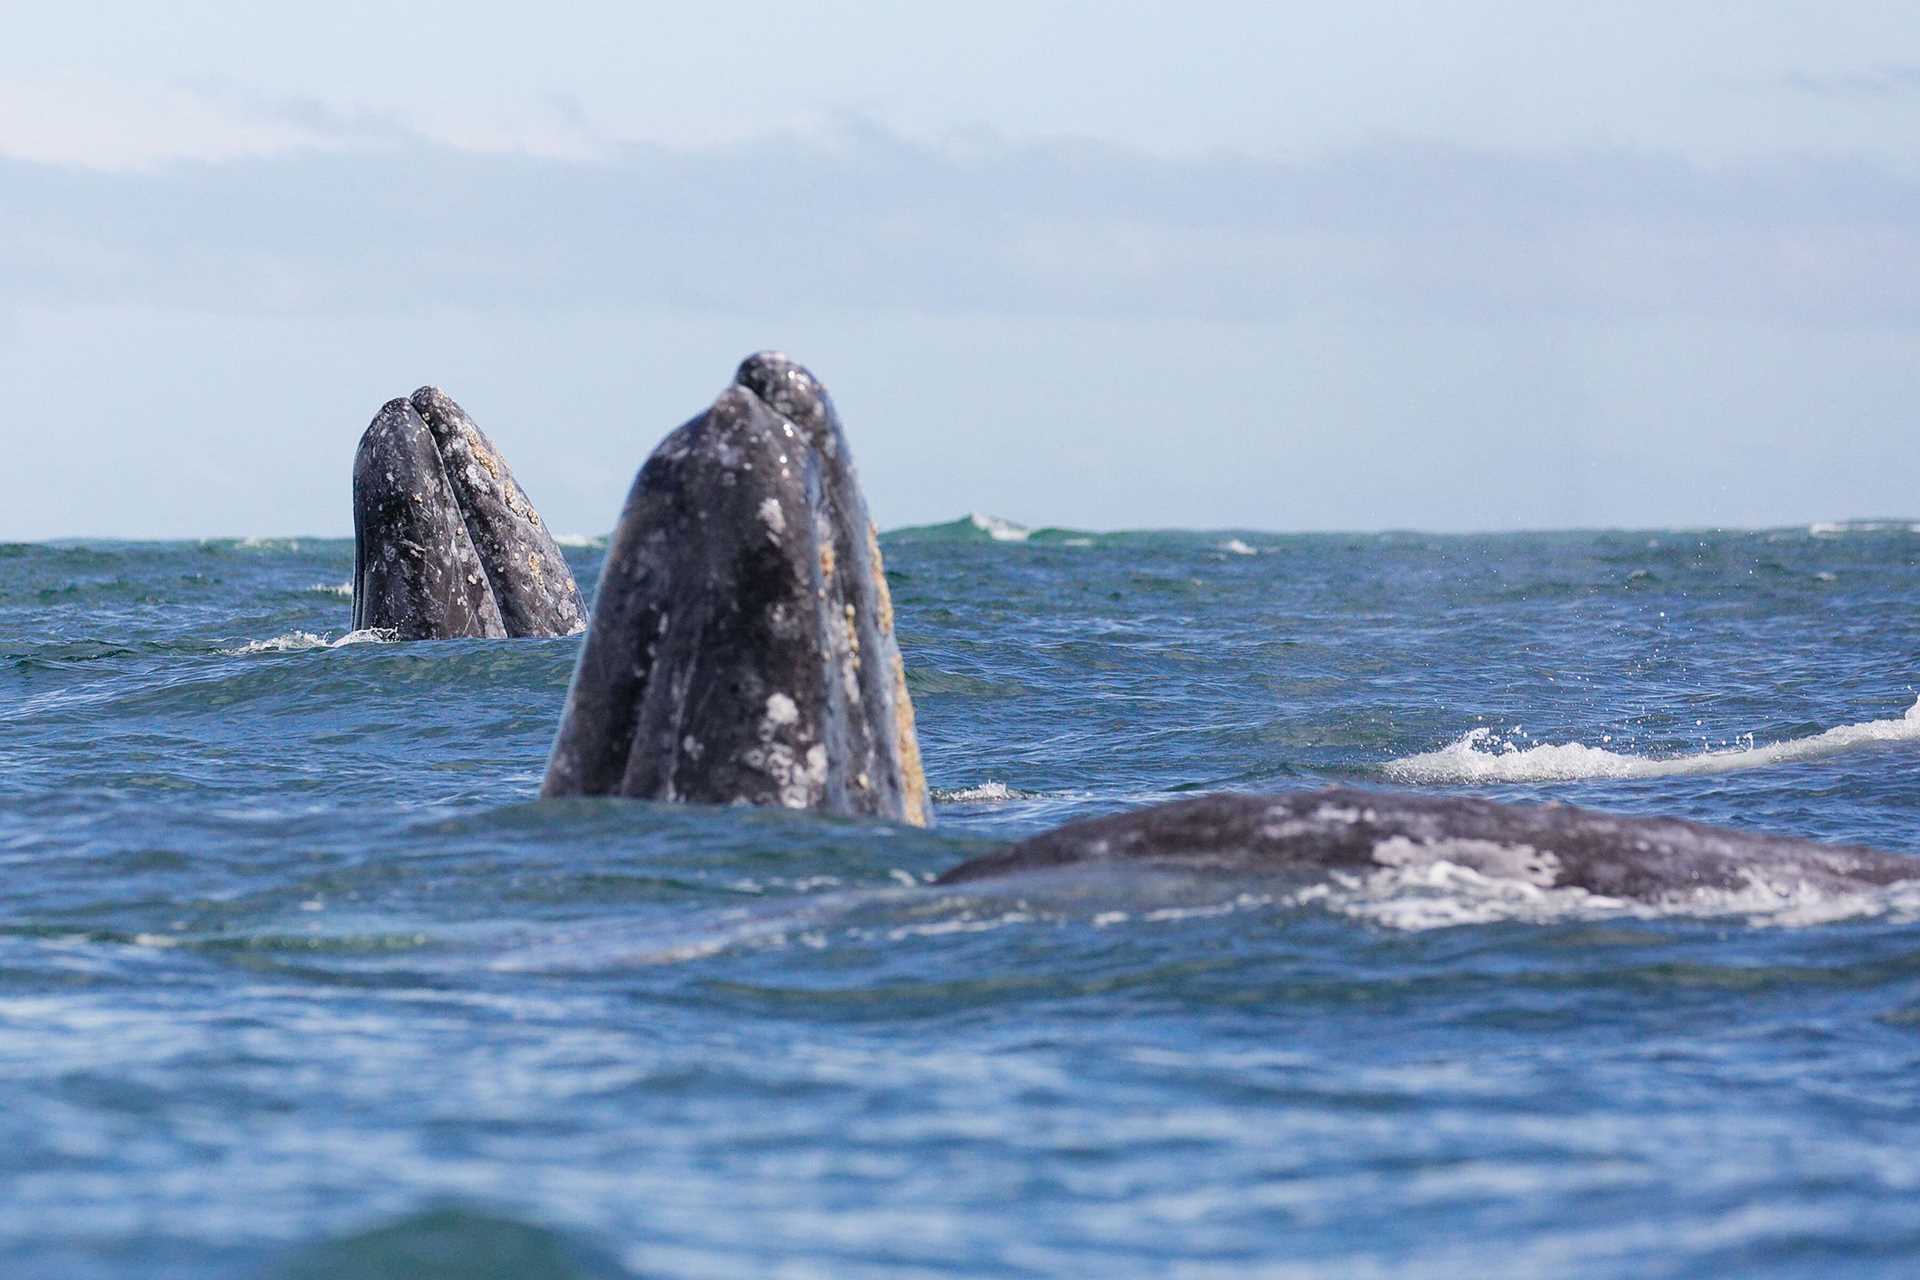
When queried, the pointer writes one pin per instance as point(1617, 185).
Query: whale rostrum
point(741, 649)
point(446, 543)
point(1551, 846)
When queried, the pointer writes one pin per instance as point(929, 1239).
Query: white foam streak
point(366, 635)
point(988, 790)
point(291, 642)
point(1475, 757)
point(1839, 528)
point(295, 641)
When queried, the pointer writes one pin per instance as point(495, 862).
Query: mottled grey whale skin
point(531, 583)
point(1550, 846)
point(445, 542)
point(415, 572)
point(741, 649)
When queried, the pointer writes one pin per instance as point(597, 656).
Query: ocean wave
point(341, 589)
point(972, 527)
point(1838, 528)
point(1479, 756)
point(580, 539)
point(998, 528)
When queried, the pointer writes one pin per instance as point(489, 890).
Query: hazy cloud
point(313, 119)
point(1876, 82)
point(869, 219)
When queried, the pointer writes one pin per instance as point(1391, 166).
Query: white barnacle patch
point(798, 780)
point(774, 518)
point(1490, 858)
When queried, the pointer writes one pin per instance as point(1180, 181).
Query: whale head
point(741, 648)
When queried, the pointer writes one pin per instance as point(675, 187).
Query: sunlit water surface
point(297, 978)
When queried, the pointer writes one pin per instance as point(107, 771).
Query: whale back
point(1343, 829)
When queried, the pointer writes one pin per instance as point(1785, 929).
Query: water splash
point(291, 642)
point(988, 790)
point(296, 641)
point(1477, 756)
point(366, 635)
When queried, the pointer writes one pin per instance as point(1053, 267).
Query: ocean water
point(298, 979)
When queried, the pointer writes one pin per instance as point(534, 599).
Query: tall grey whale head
point(741, 649)
point(445, 541)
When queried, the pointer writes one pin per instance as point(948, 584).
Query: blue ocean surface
point(297, 978)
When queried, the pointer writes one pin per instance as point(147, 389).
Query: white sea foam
point(1234, 546)
point(1480, 757)
point(342, 589)
point(295, 641)
point(291, 642)
point(998, 529)
point(580, 540)
point(1837, 528)
point(988, 790)
point(1438, 885)
point(1440, 894)
point(366, 635)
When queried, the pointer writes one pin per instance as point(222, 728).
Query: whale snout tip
point(785, 385)
point(396, 415)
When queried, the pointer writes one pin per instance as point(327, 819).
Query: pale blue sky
point(1113, 265)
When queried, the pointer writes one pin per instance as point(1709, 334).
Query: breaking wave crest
point(1478, 756)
